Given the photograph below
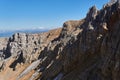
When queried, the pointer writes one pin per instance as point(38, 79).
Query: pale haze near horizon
point(43, 14)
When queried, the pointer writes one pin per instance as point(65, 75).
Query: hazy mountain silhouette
point(9, 33)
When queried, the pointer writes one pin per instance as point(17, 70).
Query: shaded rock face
point(91, 54)
point(87, 49)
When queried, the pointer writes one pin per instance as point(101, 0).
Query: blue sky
point(29, 14)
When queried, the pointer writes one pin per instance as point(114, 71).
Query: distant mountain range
point(9, 33)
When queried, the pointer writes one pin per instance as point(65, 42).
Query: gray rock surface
point(30, 68)
point(91, 54)
point(87, 49)
point(3, 46)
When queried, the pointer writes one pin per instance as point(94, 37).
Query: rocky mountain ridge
point(87, 49)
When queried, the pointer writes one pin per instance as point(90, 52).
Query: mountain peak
point(87, 49)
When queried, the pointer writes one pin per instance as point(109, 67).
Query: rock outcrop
point(87, 49)
point(91, 54)
point(22, 50)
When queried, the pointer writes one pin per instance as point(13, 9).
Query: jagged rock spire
point(113, 1)
point(92, 13)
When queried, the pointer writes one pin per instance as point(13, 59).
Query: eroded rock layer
point(87, 49)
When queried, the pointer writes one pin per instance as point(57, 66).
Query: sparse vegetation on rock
point(87, 49)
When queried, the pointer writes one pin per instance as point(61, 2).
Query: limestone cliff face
point(90, 54)
point(87, 49)
point(21, 50)
point(3, 45)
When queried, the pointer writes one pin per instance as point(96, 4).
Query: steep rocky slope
point(3, 45)
point(87, 49)
point(21, 50)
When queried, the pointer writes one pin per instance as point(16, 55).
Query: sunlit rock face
point(87, 49)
